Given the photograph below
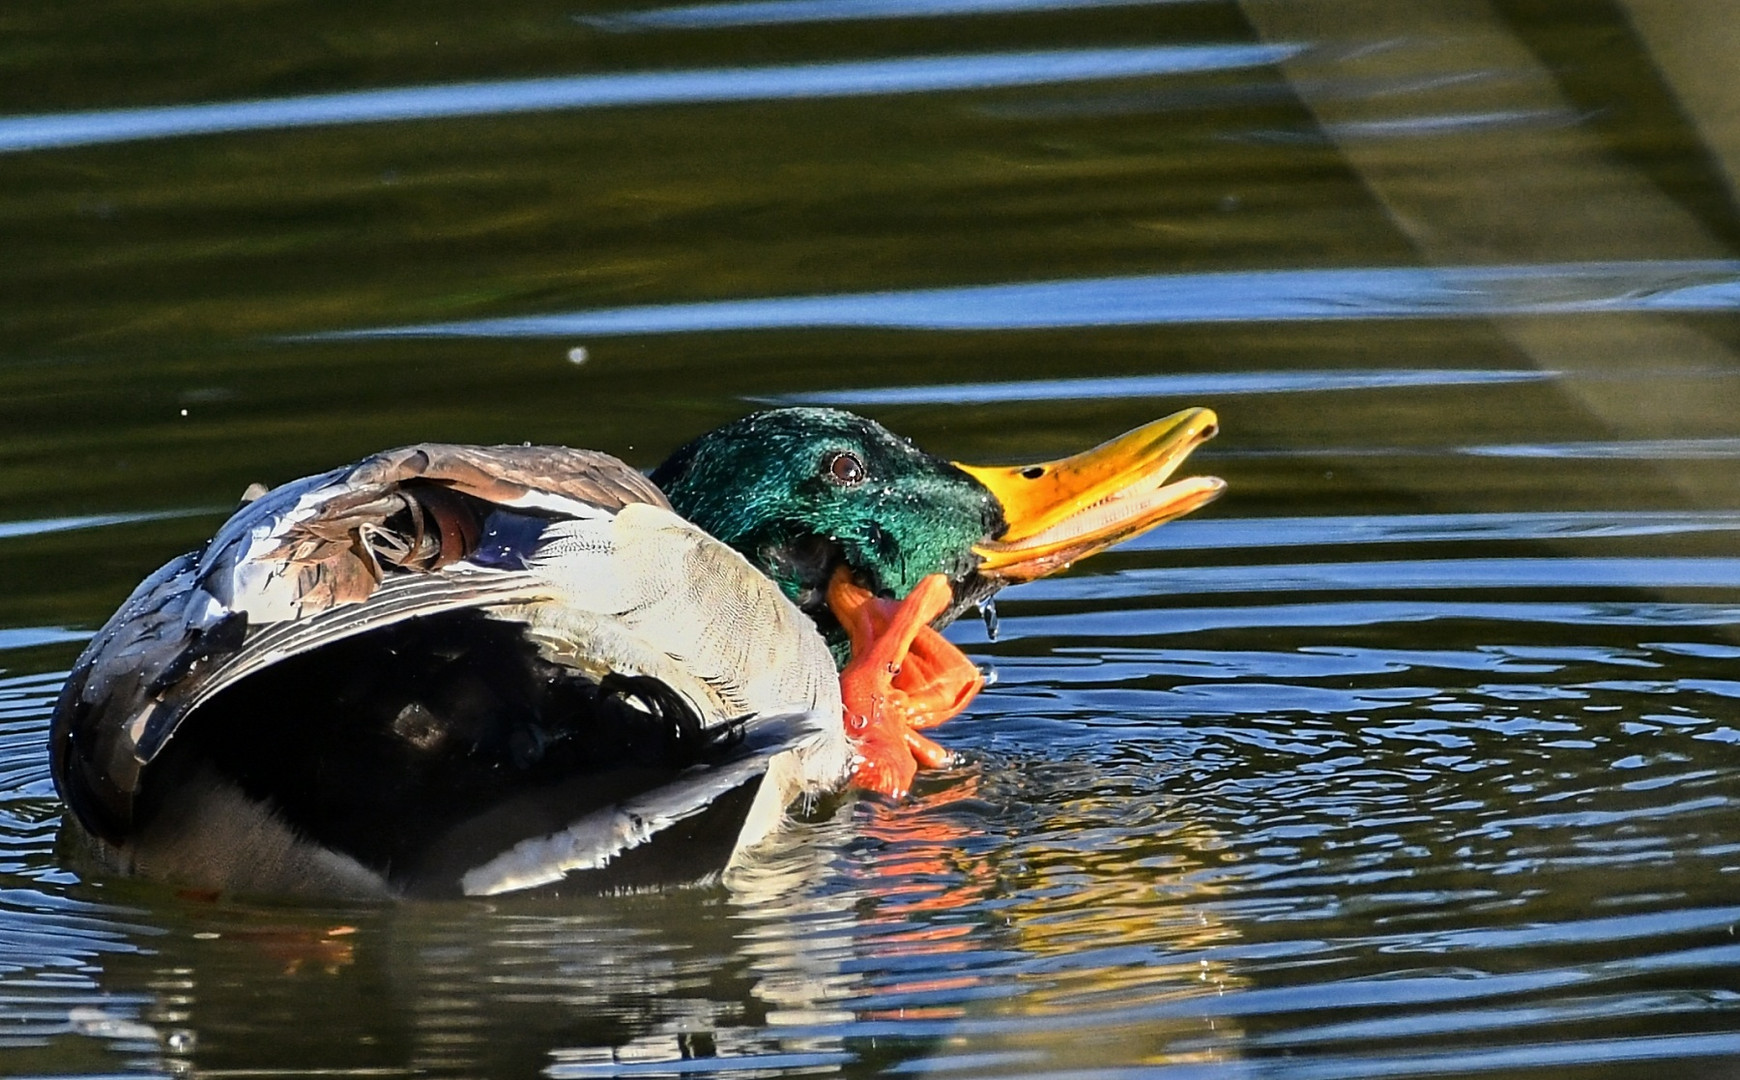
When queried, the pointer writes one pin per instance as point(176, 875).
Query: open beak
point(1061, 511)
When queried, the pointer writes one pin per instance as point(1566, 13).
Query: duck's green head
point(802, 491)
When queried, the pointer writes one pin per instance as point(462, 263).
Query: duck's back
point(445, 669)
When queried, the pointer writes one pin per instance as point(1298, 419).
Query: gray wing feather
point(330, 539)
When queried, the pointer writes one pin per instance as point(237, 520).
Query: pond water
point(1416, 755)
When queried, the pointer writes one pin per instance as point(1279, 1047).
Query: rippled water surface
point(1417, 755)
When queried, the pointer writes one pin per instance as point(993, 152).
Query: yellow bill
point(1065, 510)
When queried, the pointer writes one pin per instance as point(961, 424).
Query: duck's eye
point(844, 467)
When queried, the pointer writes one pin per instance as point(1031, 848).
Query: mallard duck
point(467, 670)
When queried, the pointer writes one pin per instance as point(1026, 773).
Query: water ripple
point(1359, 530)
point(578, 1063)
point(1455, 123)
point(1124, 387)
point(1116, 625)
point(1512, 573)
point(1534, 1057)
point(29, 637)
point(1405, 292)
point(1712, 449)
point(41, 526)
point(902, 75)
point(783, 12)
point(1470, 1021)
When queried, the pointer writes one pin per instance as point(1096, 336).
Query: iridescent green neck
point(802, 491)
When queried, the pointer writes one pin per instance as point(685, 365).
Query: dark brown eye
point(844, 467)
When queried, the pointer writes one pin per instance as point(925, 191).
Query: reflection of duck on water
point(454, 669)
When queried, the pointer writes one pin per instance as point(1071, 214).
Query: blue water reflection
point(41, 526)
point(1239, 296)
point(901, 75)
point(1361, 530)
point(1395, 576)
point(29, 637)
point(1365, 613)
point(1720, 448)
point(1124, 387)
point(776, 12)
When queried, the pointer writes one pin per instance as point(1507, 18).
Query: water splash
point(988, 612)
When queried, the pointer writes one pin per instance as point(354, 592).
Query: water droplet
point(988, 612)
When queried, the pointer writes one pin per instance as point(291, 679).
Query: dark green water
point(1415, 756)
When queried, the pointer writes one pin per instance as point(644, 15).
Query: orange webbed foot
point(903, 676)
